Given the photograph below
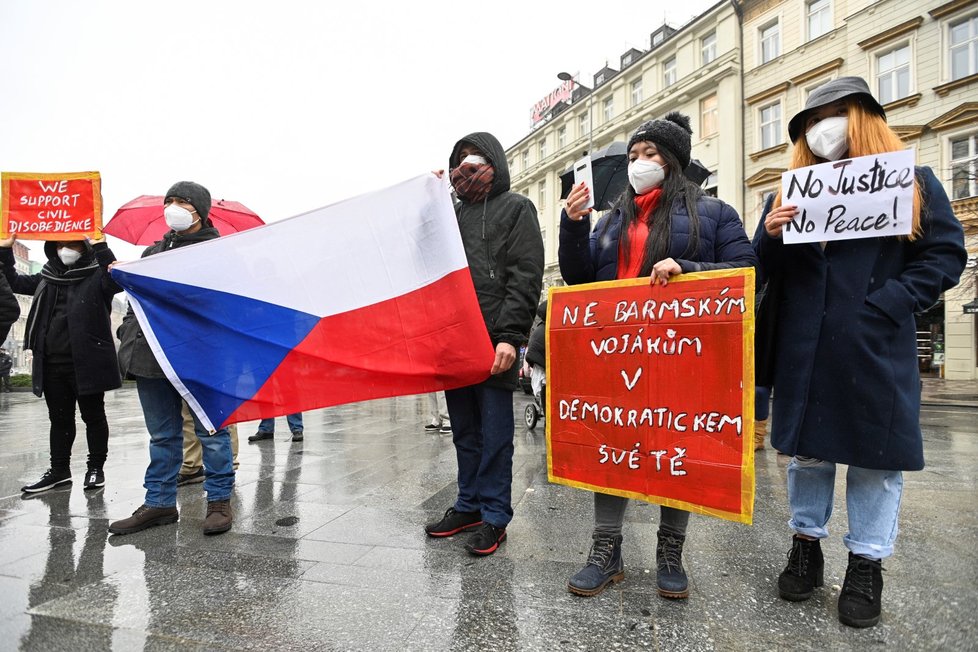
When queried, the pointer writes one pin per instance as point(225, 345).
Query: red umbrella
point(141, 220)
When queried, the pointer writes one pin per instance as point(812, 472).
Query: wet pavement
point(327, 551)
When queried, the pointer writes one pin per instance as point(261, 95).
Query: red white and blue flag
point(367, 298)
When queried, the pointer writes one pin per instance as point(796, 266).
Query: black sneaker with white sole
point(94, 478)
point(49, 480)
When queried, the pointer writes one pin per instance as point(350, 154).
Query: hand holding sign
point(864, 197)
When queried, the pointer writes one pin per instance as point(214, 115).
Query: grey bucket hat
point(830, 92)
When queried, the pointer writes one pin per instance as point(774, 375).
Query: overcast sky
point(286, 106)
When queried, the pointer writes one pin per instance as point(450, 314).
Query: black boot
point(797, 582)
point(859, 602)
point(670, 576)
point(604, 566)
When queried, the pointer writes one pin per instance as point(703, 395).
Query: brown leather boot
point(145, 517)
point(760, 431)
point(219, 517)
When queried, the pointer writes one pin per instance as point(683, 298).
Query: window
point(599, 79)
point(770, 37)
point(526, 160)
point(669, 73)
point(541, 195)
point(561, 137)
point(626, 60)
point(893, 74)
point(708, 46)
point(964, 47)
point(770, 122)
point(583, 125)
point(964, 166)
point(819, 18)
point(636, 92)
point(543, 236)
point(609, 108)
point(657, 38)
point(543, 149)
point(708, 116)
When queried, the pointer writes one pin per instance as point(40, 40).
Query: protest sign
point(58, 206)
point(864, 197)
point(650, 390)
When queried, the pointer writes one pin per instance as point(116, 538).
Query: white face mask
point(474, 159)
point(645, 175)
point(828, 138)
point(178, 218)
point(68, 256)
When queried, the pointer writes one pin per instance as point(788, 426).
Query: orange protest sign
point(55, 206)
point(650, 390)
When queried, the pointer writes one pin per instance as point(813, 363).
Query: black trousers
point(61, 395)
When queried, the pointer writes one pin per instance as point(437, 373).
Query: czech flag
point(364, 299)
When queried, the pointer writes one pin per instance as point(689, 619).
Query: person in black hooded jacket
point(9, 308)
point(186, 208)
point(70, 333)
point(504, 249)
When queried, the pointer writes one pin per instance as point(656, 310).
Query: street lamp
point(566, 76)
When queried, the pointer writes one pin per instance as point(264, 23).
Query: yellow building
point(920, 59)
point(694, 69)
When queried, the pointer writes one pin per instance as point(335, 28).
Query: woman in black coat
point(70, 334)
point(846, 381)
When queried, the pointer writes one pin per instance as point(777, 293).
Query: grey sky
point(286, 106)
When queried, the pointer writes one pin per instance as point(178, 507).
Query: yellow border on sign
point(747, 477)
point(7, 177)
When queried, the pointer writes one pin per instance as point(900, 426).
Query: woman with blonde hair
point(846, 382)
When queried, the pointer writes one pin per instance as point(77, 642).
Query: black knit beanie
point(672, 132)
point(197, 195)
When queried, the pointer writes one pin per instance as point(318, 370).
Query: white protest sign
point(865, 197)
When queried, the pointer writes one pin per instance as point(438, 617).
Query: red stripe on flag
point(431, 339)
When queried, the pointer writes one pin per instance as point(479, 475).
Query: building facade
point(15, 340)
point(694, 69)
point(920, 59)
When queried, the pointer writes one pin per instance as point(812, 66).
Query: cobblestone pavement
point(327, 551)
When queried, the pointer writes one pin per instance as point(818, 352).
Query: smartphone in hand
point(582, 172)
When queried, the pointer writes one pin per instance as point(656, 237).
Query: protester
point(70, 333)
point(6, 362)
point(438, 420)
point(847, 387)
point(662, 225)
point(504, 249)
point(192, 469)
point(536, 354)
point(187, 206)
point(9, 309)
point(266, 428)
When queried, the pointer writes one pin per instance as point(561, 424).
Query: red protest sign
point(650, 390)
point(55, 206)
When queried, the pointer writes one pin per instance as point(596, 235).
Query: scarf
point(630, 265)
point(172, 239)
point(472, 183)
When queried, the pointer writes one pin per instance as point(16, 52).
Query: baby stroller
point(536, 358)
point(538, 408)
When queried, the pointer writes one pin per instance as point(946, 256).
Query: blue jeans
point(295, 423)
point(872, 500)
point(762, 403)
point(483, 431)
point(161, 410)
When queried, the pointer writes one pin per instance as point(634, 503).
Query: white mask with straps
point(68, 256)
point(178, 218)
point(829, 138)
point(645, 175)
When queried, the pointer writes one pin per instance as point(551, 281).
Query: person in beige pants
point(192, 470)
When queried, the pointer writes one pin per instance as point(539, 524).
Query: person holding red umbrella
point(187, 205)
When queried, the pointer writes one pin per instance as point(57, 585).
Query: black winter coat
point(846, 382)
point(586, 257)
point(136, 359)
point(9, 308)
point(89, 307)
point(504, 250)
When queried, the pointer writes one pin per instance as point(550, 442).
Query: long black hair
point(674, 186)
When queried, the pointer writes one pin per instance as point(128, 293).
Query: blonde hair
point(868, 134)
